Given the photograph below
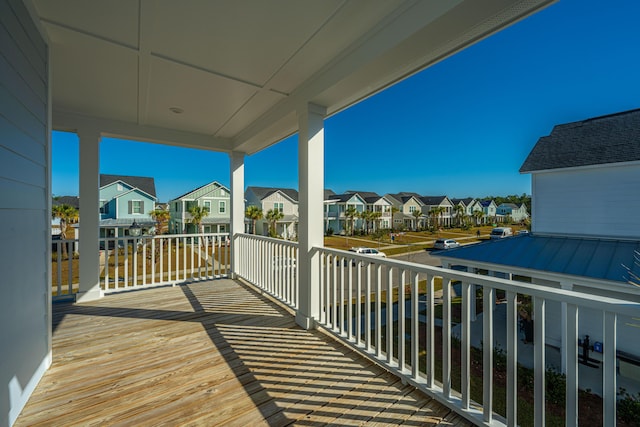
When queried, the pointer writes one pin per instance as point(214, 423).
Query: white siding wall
point(25, 256)
point(599, 201)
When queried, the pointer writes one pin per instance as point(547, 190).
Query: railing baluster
point(106, 265)
point(430, 341)
point(389, 315)
point(378, 329)
point(70, 267)
point(116, 272)
point(144, 263)
point(134, 251)
point(126, 263)
point(446, 337)
point(488, 299)
point(539, 368)
point(609, 368)
point(169, 269)
point(349, 299)
point(367, 310)
point(415, 337)
point(334, 306)
point(571, 363)
point(59, 267)
point(465, 345)
point(343, 327)
point(512, 359)
point(401, 320)
point(358, 303)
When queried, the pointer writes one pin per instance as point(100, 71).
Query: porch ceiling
point(240, 69)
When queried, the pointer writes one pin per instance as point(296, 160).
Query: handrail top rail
point(266, 239)
point(598, 302)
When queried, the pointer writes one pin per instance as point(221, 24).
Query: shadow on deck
point(211, 353)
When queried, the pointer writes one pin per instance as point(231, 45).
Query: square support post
point(311, 209)
point(89, 216)
point(237, 207)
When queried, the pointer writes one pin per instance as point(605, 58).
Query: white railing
point(146, 261)
point(131, 263)
point(270, 264)
point(65, 270)
point(362, 298)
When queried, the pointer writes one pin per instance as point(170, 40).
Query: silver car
point(445, 244)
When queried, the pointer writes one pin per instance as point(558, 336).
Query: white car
point(368, 251)
point(445, 244)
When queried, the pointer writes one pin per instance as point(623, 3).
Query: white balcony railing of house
point(131, 263)
point(271, 265)
point(362, 298)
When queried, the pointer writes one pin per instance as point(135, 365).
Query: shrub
point(629, 407)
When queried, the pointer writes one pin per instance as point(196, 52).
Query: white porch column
point(237, 206)
point(311, 208)
point(89, 215)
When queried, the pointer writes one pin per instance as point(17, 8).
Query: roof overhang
point(231, 76)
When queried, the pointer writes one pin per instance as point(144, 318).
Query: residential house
point(489, 209)
point(377, 203)
point(406, 204)
point(443, 204)
point(514, 212)
point(233, 103)
point(284, 200)
point(336, 207)
point(467, 205)
point(580, 246)
point(214, 196)
point(124, 200)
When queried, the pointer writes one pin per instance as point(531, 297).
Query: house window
point(137, 207)
point(412, 209)
point(278, 206)
point(207, 205)
point(104, 207)
point(119, 187)
point(222, 228)
point(190, 204)
point(222, 207)
point(176, 207)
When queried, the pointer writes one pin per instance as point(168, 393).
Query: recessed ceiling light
point(176, 110)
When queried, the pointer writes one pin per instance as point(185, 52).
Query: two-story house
point(489, 209)
point(582, 246)
point(405, 205)
point(513, 211)
point(283, 200)
point(123, 200)
point(336, 208)
point(378, 204)
point(438, 209)
point(214, 196)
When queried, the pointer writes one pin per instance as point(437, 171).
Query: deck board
point(210, 353)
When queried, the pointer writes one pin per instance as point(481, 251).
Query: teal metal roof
point(588, 257)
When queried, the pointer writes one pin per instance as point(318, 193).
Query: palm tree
point(198, 213)
point(478, 216)
point(376, 218)
point(253, 213)
point(161, 217)
point(68, 215)
point(458, 210)
point(273, 216)
point(367, 217)
point(416, 214)
point(394, 210)
point(351, 213)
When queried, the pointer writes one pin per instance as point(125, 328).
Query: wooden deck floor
point(211, 353)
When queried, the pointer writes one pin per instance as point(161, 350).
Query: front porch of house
point(211, 353)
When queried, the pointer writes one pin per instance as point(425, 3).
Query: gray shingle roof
point(613, 138)
point(432, 200)
point(67, 200)
point(144, 183)
point(262, 192)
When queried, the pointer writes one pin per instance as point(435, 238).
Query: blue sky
point(462, 127)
